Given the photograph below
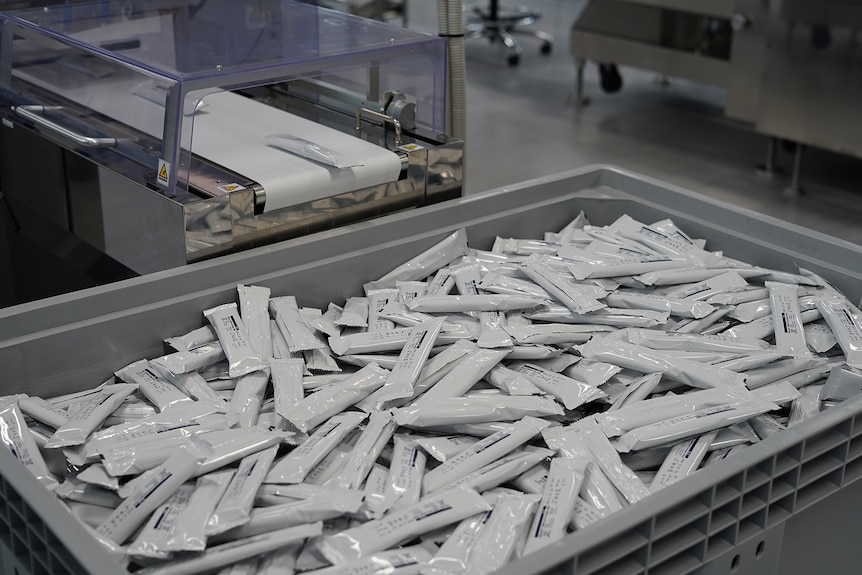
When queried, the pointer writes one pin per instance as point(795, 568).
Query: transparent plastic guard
point(123, 83)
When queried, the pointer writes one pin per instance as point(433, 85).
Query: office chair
point(496, 23)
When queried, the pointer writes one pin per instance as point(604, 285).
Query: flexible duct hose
point(450, 18)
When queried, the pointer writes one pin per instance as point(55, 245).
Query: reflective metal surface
point(82, 110)
point(812, 81)
point(793, 68)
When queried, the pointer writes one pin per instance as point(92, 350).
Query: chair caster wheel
point(513, 60)
point(546, 48)
point(609, 78)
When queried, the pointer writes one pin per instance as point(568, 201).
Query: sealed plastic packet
point(838, 314)
point(320, 360)
point(192, 384)
point(17, 437)
point(329, 466)
point(408, 290)
point(428, 262)
point(235, 551)
point(533, 480)
point(568, 391)
point(96, 475)
point(443, 447)
point(683, 460)
point(661, 340)
point(674, 305)
point(441, 284)
point(240, 443)
point(152, 539)
point(401, 380)
point(364, 342)
point(295, 512)
point(248, 397)
point(293, 467)
point(430, 513)
point(561, 288)
point(624, 266)
point(657, 409)
point(597, 488)
point(194, 338)
point(234, 508)
point(594, 373)
point(498, 540)
point(354, 313)
point(298, 336)
point(806, 406)
point(636, 390)
point(158, 391)
point(694, 423)
point(774, 371)
point(482, 453)
point(254, 310)
point(466, 374)
point(188, 532)
point(76, 430)
point(819, 337)
point(404, 480)
point(670, 244)
point(451, 558)
point(493, 335)
point(646, 360)
point(475, 409)
point(554, 333)
point(282, 561)
point(162, 483)
point(789, 334)
point(620, 317)
point(232, 335)
point(470, 303)
point(322, 322)
point(504, 469)
point(321, 405)
point(191, 417)
point(555, 510)
point(366, 450)
point(286, 375)
point(377, 300)
point(400, 561)
point(496, 282)
point(607, 458)
point(136, 457)
point(843, 383)
point(511, 381)
point(42, 411)
point(691, 275)
point(74, 490)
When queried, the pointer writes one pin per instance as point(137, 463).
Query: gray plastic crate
point(763, 511)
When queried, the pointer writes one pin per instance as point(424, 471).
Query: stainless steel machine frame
point(88, 197)
point(759, 513)
point(791, 71)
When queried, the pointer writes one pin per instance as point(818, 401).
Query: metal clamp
point(382, 117)
point(34, 114)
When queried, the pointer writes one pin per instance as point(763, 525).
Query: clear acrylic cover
point(122, 82)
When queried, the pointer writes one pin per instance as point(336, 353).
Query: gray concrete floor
point(521, 124)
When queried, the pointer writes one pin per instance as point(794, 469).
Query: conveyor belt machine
point(157, 133)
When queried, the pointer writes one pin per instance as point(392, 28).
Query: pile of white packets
point(472, 408)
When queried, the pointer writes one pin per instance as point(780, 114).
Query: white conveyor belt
point(232, 130)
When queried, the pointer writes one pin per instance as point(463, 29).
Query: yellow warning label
point(410, 147)
point(231, 187)
point(164, 173)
